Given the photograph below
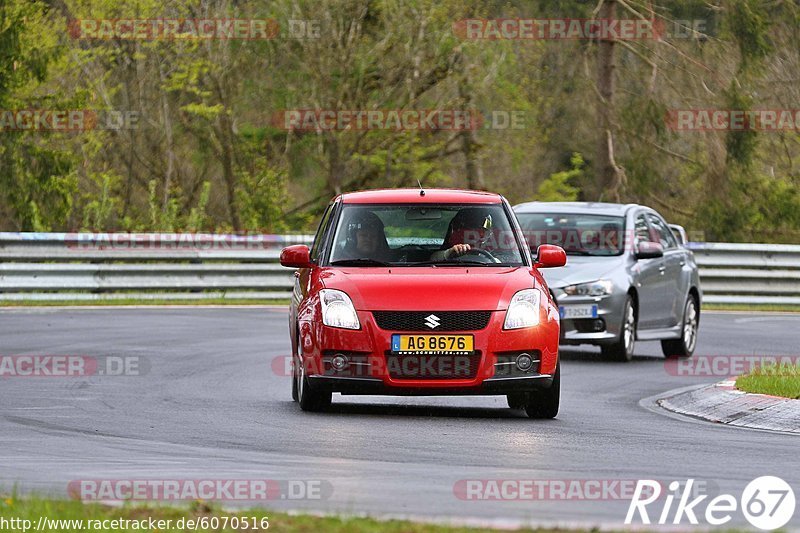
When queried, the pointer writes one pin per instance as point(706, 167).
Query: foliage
point(557, 187)
point(204, 153)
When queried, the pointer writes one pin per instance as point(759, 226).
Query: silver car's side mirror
point(679, 233)
point(649, 250)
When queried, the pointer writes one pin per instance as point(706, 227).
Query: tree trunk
point(227, 158)
point(469, 140)
point(608, 176)
point(335, 166)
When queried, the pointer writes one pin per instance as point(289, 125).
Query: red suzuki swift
point(423, 292)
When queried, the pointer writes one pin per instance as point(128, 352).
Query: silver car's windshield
point(413, 234)
point(578, 234)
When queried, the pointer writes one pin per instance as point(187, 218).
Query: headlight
point(338, 310)
point(523, 311)
point(601, 287)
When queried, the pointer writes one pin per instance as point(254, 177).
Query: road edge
point(722, 403)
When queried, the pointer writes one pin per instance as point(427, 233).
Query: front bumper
point(491, 386)
point(604, 329)
point(369, 355)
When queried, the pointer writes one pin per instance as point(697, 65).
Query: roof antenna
point(421, 190)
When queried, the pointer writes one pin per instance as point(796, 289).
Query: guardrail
point(165, 266)
point(143, 266)
point(749, 273)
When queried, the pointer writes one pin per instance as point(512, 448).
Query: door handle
point(683, 263)
point(662, 269)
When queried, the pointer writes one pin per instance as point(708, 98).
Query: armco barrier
point(749, 273)
point(142, 266)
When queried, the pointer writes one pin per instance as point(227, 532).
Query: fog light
point(524, 362)
point(599, 324)
point(339, 362)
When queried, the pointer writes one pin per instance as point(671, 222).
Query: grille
point(418, 320)
point(433, 366)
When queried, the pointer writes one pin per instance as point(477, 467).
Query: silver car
point(628, 276)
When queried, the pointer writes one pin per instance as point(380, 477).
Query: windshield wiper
point(361, 261)
point(452, 262)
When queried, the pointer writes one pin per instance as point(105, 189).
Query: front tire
point(544, 403)
point(311, 398)
point(622, 349)
point(684, 347)
point(295, 384)
point(517, 400)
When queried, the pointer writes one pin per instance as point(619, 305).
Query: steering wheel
point(481, 252)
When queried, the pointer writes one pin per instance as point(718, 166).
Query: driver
point(470, 224)
point(366, 238)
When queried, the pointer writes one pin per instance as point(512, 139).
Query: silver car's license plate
point(578, 311)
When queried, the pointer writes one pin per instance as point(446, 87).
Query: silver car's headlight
point(523, 311)
point(602, 287)
point(338, 310)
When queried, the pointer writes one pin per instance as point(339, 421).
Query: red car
point(423, 292)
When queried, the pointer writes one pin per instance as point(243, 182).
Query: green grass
point(752, 307)
point(32, 508)
point(776, 380)
point(134, 301)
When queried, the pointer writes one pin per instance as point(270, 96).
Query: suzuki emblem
point(432, 321)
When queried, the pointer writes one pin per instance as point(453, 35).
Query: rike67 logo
point(767, 502)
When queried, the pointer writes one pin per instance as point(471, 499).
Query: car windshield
point(578, 234)
point(413, 234)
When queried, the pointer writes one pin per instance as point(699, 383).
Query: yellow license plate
point(444, 344)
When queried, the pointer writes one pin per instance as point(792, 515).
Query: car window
point(577, 233)
point(321, 232)
point(641, 229)
point(662, 232)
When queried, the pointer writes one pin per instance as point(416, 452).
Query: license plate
point(432, 344)
point(578, 311)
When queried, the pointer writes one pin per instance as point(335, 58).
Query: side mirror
point(296, 256)
point(550, 256)
point(679, 233)
point(649, 250)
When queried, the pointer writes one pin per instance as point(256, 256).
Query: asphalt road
point(210, 405)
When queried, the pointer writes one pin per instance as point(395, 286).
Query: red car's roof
point(413, 196)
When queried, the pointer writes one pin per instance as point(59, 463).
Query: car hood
point(580, 269)
point(435, 288)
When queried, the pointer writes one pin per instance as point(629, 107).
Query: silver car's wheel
point(684, 347)
point(629, 330)
point(622, 349)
